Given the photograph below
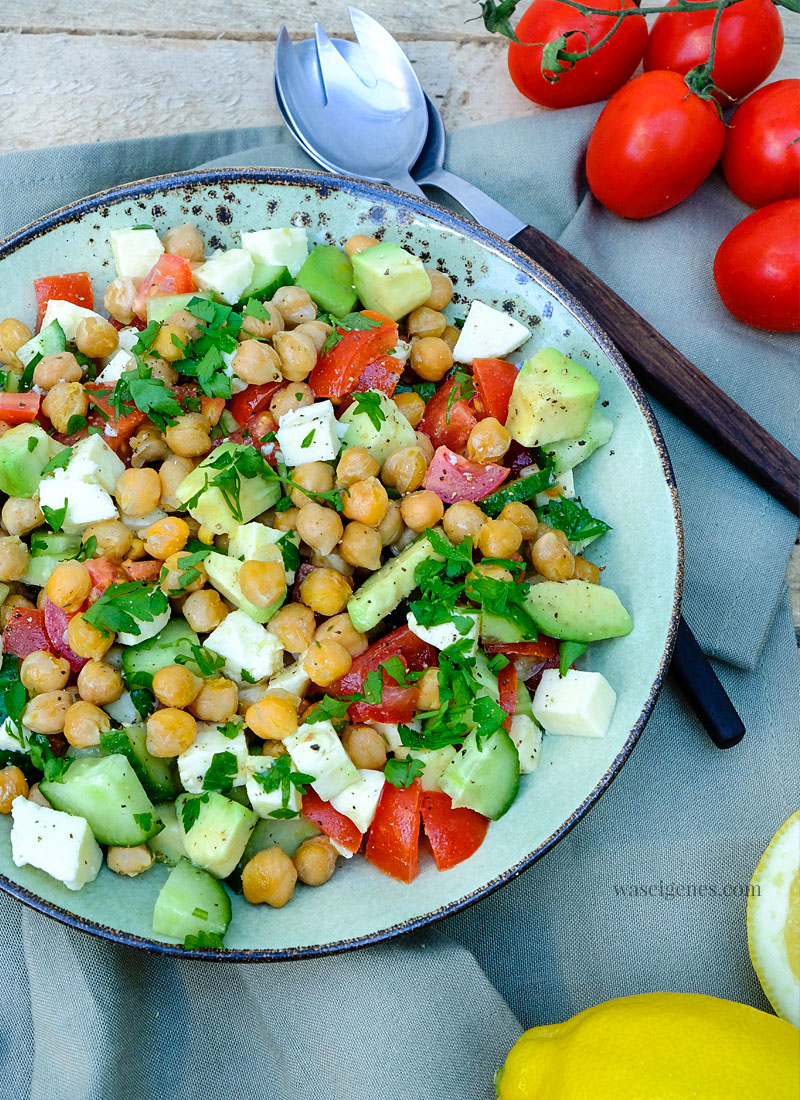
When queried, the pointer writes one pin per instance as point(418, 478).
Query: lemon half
point(773, 920)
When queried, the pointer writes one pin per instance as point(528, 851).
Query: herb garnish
point(572, 518)
point(402, 773)
point(123, 606)
point(281, 777)
point(221, 772)
point(369, 404)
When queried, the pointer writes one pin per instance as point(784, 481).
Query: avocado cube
point(24, 453)
point(393, 430)
point(390, 280)
point(254, 494)
point(577, 611)
point(217, 838)
point(327, 275)
point(552, 399)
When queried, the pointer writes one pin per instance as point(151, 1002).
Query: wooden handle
point(705, 694)
point(669, 376)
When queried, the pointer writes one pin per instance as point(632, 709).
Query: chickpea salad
point(291, 568)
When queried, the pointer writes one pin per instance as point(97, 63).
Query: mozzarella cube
point(135, 251)
point(266, 802)
point(93, 460)
point(359, 801)
point(390, 733)
point(122, 711)
point(316, 750)
point(237, 384)
point(116, 365)
point(566, 482)
point(146, 629)
point(526, 733)
point(245, 645)
point(488, 334)
point(195, 762)
point(85, 503)
point(401, 351)
point(444, 635)
point(59, 844)
point(281, 247)
point(309, 434)
point(128, 338)
point(341, 850)
point(579, 704)
point(227, 274)
point(293, 679)
point(68, 315)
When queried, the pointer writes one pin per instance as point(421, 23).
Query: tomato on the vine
point(757, 268)
point(592, 78)
point(748, 47)
point(761, 155)
point(652, 146)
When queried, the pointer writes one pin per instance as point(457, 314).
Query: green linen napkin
point(433, 1014)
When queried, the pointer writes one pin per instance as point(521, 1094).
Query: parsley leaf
point(524, 488)
point(190, 810)
point(208, 662)
point(572, 518)
point(221, 772)
point(43, 757)
point(59, 462)
point(461, 390)
point(144, 821)
point(33, 441)
point(203, 940)
point(309, 439)
point(328, 709)
point(55, 517)
point(144, 702)
point(289, 552)
point(122, 606)
point(488, 718)
point(149, 395)
point(402, 773)
point(342, 325)
point(88, 549)
point(369, 404)
point(372, 687)
point(568, 653)
point(281, 777)
point(76, 423)
point(231, 729)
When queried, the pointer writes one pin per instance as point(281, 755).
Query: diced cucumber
point(167, 846)
point(106, 792)
point(49, 341)
point(175, 640)
point(524, 701)
point(47, 543)
point(218, 836)
point(287, 833)
point(484, 779)
point(267, 278)
point(567, 453)
point(39, 569)
point(191, 901)
point(394, 581)
point(156, 775)
point(497, 630)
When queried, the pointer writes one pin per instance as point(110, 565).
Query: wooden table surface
point(74, 72)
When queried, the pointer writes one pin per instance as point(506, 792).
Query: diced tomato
point(454, 835)
point(397, 703)
point(168, 275)
point(146, 570)
point(494, 379)
point(338, 371)
point(382, 374)
point(330, 821)
point(19, 408)
point(453, 477)
point(544, 647)
point(448, 428)
point(56, 621)
point(212, 407)
point(507, 686)
point(25, 632)
point(136, 322)
point(103, 572)
point(75, 288)
point(101, 413)
point(252, 400)
point(393, 838)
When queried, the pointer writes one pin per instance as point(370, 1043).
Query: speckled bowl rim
point(324, 184)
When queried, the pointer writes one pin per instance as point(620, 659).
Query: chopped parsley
point(33, 442)
point(231, 729)
point(221, 772)
point(208, 663)
point(59, 462)
point(342, 325)
point(568, 653)
point(369, 404)
point(149, 395)
point(309, 439)
point(328, 709)
point(190, 810)
point(54, 517)
point(402, 773)
point(202, 940)
point(524, 488)
point(144, 821)
point(289, 552)
point(123, 606)
point(88, 549)
point(572, 518)
point(281, 777)
point(43, 757)
point(462, 389)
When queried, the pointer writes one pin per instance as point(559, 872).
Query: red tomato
point(146, 570)
point(397, 703)
point(19, 408)
point(594, 77)
point(454, 835)
point(102, 414)
point(494, 379)
point(507, 686)
point(454, 478)
point(545, 648)
point(104, 572)
point(330, 821)
point(339, 370)
point(761, 155)
point(653, 145)
point(25, 632)
point(75, 288)
point(168, 275)
point(56, 621)
point(749, 44)
point(757, 268)
point(447, 428)
point(393, 839)
point(252, 400)
point(382, 374)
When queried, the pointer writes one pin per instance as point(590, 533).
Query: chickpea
point(428, 684)
point(361, 546)
point(355, 464)
point(318, 331)
point(411, 406)
point(13, 604)
point(147, 445)
point(189, 436)
point(315, 861)
point(293, 625)
point(463, 520)
point(35, 795)
point(170, 343)
point(96, 337)
point(286, 520)
point(340, 629)
point(13, 784)
point(13, 334)
point(331, 561)
point(170, 732)
point(298, 354)
point(450, 336)
point(315, 477)
point(83, 724)
point(172, 472)
point(521, 516)
point(325, 591)
point(119, 298)
point(272, 718)
point(391, 526)
point(185, 240)
point(20, 515)
point(64, 401)
point(441, 289)
point(365, 747)
point(421, 510)
point(61, 366)
point(41, 672)
point(113, 538)
point(99, 683)
point(431, 358)
point(366, 501)
point(263, 583)
point(587, 571)
point(552, 558)
point(166, 537)
point(359, 243)
point(182, 578)
point(319, 527)
point(204, 610)
point(161, 370)
point(426, 322)
point(488, 441)
point(69, 584)
point(425, 446)
point(297, 395)
point(13, 558)
point(499, 538)
point(256, 363)
point(86, 640)
point(129, 861)
point(176, 686)
point(187, 322)
point(270, 877)
point(216, 701)
point(295, 305)
point(326, 661)
point(136, 552)
point(254, 327)
point(404, 469)
point(45, 713)
point(138, 492)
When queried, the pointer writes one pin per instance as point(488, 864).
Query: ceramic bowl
point(629, 483)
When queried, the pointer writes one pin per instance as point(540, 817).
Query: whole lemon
point(656, 1046)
